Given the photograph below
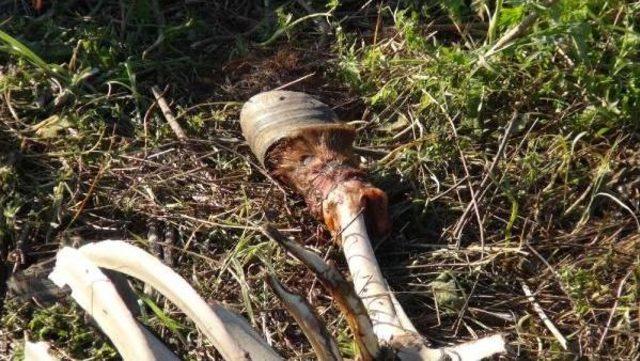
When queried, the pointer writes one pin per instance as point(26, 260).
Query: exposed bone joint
point(300, 141)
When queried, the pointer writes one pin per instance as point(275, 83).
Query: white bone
point(220, 329)
point(37, 351)
point(95, 293)
point(390, 322)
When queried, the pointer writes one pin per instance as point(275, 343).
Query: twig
point(92, 188)
point(613, 309)
point(465, 306)
point(305, 77)
point(378, 25)
point(168, 114)
point(459, 227)
point(18, 255)
point(155, 248)
point(161, 26)
point(558, 279)
point(145, 125)
point(289, 26)
point(168, 245)
point(543, 316)
point(325, 29)
point(7, 96)
point(474, 200)
point(152, 237)
point(621, 204)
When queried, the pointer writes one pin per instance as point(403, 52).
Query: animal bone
point(321, 340)
point(37, 351)
point(95, 293)
point(341, 290)
point(227, 333)
point(300, 141)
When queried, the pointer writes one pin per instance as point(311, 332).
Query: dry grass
point(542, 136)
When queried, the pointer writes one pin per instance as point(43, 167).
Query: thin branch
point(168, 114)
point(516, 31)
point(323, 26)
point(543, 316)
point(621, 204)
point(474, 200)
point(459, 227)
point(613, 309)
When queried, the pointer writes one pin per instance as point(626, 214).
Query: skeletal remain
point(227, 333)
point(321, 340)
point(300, 141)
point(341, 290)
point(231, 334)
point(242, 331)
point(96, 294)
point(37, 351)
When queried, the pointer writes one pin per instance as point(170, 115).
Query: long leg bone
point(390, 323)
point(97, 296)
point(409, 345)
point(232, 342)
point(303, 145)
point(368, 281)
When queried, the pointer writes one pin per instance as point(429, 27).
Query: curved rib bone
point(242, 331)
point(133, 261)
point(323, 343)
point(341, 291)
point(95, 293)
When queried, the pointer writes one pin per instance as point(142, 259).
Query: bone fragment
point(37, 351)
point(341, 290)
point(321, 340)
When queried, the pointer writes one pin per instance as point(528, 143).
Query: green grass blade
point(21, 50)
